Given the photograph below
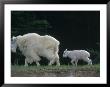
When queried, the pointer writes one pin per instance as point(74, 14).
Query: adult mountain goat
point(76, 55)
point(33, 46)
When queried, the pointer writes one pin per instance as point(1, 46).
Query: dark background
point(74, 29)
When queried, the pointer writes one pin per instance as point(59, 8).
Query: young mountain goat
point(76, 55)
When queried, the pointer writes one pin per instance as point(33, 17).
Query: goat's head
point(13, 44)
point(65, 53)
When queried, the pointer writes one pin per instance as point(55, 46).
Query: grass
point(62, 67)
point(17, 70)
point(40, 68)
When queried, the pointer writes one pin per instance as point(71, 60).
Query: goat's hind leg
point(51, 62)
point(37, 62)
point(57, 62)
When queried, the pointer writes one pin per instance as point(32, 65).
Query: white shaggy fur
point(33, 46)
point(76, 55)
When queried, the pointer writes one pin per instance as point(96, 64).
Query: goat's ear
point(66, 50)
point(14, 38)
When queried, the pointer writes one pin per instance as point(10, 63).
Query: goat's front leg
point(26, 63)
point(37, 59)
point(72, 62)
point(76, 63)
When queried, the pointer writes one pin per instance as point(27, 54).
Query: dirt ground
point(55, 72)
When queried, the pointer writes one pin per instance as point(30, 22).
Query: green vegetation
point(59, 70)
